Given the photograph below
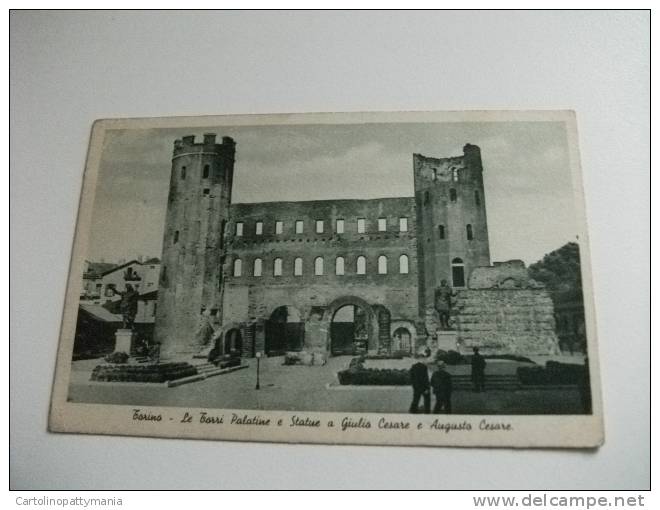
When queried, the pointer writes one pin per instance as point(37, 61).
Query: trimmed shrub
point(450, 357)
point(143, 373)
point(117, 358)
point(384, 356)
point(291, 358)
point(553, 373)
point(374, 376)
point(510, 357)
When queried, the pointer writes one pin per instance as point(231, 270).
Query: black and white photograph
point(365, 277)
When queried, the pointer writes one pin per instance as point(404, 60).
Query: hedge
point(374, 376)
point(143, 373)
point(553, 373)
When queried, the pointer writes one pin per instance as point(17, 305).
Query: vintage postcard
point(417, 278)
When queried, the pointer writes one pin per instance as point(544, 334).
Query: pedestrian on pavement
point(478, 370)
point(441, 385)
point(419, 377)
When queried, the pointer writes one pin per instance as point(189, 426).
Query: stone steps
point(204, 372)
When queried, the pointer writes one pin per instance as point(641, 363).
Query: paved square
point(302, 388)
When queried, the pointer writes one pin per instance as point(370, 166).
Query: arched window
point(205, 172)
point(318, 266)
point(339, 266)
point(452, 195)
point(477, 197)
point(454, 174)
point(382, 264)
point(458, 272)
point(468, 231)
point(238, 267)
point(257, 267)
point(298, 267)
point(361, 265)
point(277, 267)
point(403, 264)
point(183, 172)
point(441, 231)
point(259, 228)
point(176, 236)
point(426, 197)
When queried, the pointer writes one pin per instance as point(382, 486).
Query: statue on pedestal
point(128, 306)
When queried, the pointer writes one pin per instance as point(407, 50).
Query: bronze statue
point(128, 306)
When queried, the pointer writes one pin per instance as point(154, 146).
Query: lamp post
point(258, 360)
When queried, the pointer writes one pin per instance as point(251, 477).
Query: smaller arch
point(403, 264)
point(441, 232)
point(339, 266)
point(382, 264)
point(277, 267)
point(452, 195)
point(477, 197)
point(183, 173)
point(404, 336)
point(205, 172)
point(298, 267)
point(361, 265)
point(468, 232)
point(318, 266)
point(257, 267)
point(238, 267)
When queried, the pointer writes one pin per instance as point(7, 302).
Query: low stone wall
point(506, 321)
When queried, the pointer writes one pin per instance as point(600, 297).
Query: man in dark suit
point(478, 370)
point(419, 377)
point(441, 385)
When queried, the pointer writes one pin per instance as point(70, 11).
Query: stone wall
point(506, 312)
point(315, 297)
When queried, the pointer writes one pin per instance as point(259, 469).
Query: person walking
point(478, 370)
point(419, 377)
point(441, 385)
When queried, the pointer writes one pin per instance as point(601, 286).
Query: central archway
point(350, 326)
point(285, 331)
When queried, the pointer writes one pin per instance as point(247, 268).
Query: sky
point(527, 180)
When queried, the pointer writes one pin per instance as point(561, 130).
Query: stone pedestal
point(124, 339)
point(447, 340)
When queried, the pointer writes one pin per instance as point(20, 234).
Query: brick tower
point(191, 277)
point(451, 221)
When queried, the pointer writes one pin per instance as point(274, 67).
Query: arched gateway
point(351, 326)
point(285, 331)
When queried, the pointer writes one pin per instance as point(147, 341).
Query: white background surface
point(68, 69)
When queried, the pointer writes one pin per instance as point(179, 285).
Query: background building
point(324, 276)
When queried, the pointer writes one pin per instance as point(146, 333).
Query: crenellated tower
point(451, 220)
point(191, 278)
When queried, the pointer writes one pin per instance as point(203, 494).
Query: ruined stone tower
point(451, 221)
point(191, 278)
